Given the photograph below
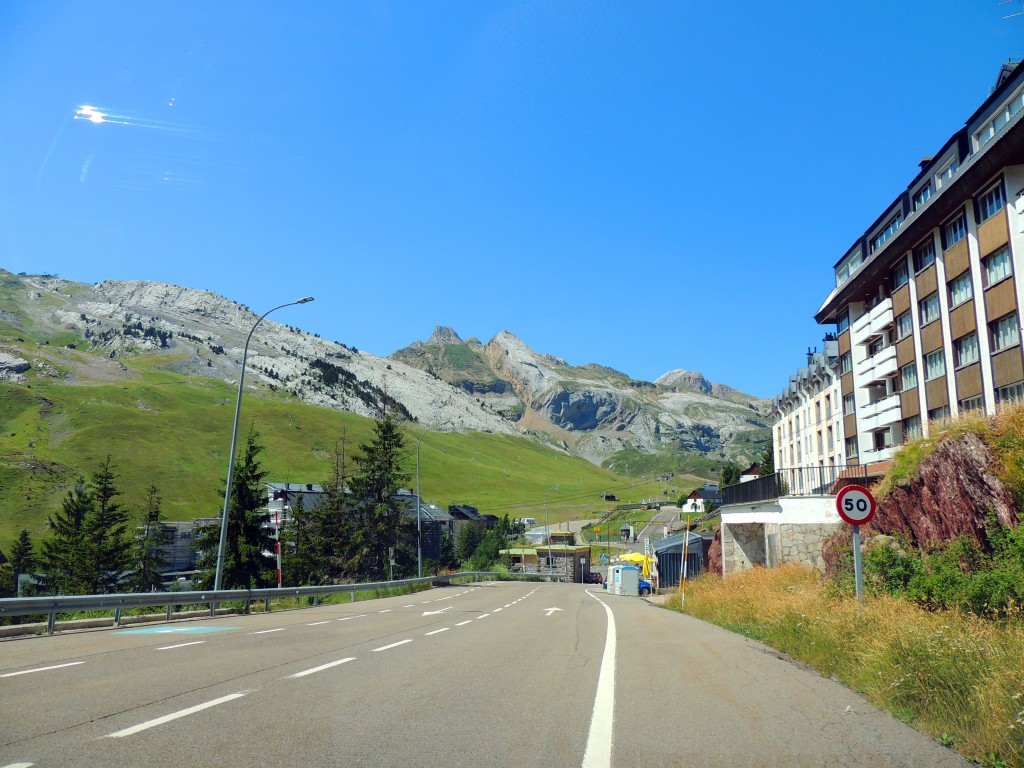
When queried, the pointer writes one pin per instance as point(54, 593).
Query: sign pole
point(858, 567)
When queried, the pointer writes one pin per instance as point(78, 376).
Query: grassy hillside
point(174, 431)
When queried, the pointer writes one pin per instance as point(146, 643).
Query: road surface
point(497, 674)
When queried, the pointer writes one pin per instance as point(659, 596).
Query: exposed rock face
point(715, 553)
point(11, 367)
point(681, 379)
point(957, 490)
point(444, 335)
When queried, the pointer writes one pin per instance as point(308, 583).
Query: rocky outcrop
point(715, 553)
point(444, 335)
point(957, 489)
point(11, 367)
point(680, 379)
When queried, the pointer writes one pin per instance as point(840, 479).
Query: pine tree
point(380, 521)
point(61, 557)
point(147, 561)
point(23, 560)
point(107, 548)
point(767, 460)
point(248, 563)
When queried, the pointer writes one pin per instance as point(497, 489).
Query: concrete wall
point(789, 530)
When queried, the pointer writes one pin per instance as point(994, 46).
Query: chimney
point(923, 162)
point(809, 356)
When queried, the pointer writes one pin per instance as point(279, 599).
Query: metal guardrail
point(53, 605)
point(795, 481)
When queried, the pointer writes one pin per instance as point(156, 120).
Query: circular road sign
point(855, 504)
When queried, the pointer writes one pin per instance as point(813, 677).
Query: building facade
point(927, 301)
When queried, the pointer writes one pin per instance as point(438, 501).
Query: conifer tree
point(61, 556)
point(23, 559)
point(248, 563)
point(106, 546)
point(147, 561)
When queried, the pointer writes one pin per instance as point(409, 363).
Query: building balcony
point(879, 415)
point(882, 454)
point(792, 481)
point(875, 370)
point(872, 323)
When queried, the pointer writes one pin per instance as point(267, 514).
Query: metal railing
point(53, 605)
point(795, 481)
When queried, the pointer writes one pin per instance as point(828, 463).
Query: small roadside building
point(700, 497)
point(670, 558)
point(569, 562)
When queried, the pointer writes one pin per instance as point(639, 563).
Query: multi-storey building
point(808, 429)
point(927, 301)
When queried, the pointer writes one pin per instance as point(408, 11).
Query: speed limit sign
point(855, 504)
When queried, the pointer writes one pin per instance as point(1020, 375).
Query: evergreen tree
point(23, 559)
point(303, 549)
point(380, 522)
point(467, 539)
point(247, 560)
point(106, 546)
point(147, 560)
point(767, 460)
point(61, 556)
point(730, 474)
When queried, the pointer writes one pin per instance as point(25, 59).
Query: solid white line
point(180, 645)
point(42, 669)
point(438, 631)
point(599, 742)
point(393, 645)
point(318, 623)
point(173, 716)
point(461, 623)
point(265, 631)
point(322, 667)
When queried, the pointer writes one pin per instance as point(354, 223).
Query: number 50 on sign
point(855, 504)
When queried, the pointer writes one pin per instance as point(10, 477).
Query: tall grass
point(955, 676)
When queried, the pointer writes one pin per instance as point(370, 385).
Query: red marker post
point(856, 506)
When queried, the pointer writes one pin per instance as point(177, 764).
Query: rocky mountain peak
point(682, 379)
point(444, 335)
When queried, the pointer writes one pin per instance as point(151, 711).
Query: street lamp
point(234, 440)
point(419, 503)
point(547, 527)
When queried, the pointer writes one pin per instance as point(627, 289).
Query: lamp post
point(419, 504)
point(547, 526)
point(234, 441)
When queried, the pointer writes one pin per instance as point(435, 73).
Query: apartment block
point(927, 301)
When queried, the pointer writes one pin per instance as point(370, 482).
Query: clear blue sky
point(649, 185)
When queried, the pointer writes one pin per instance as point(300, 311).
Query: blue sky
point(648, 185)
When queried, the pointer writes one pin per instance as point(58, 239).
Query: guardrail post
point(51, 621)
point(266, 605)
point(117, 617)
point(353, 593)
point(316, 600)
point(213, 609)
point(169, 609)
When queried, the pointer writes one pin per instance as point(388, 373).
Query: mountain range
point(678, 421)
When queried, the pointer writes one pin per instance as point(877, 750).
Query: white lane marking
point(41, 669)
point(180, 645)
point(483, 616)
point(386, 610)
point(173, 716)
point(599, 743)
point(360, 616)
point(509, 605)
point(462, 623)
point(322, 667)
point(497, 610)
point(549, 611)
point(265, 631)
point(318, 623)
point(393, 645)
point(437, 631)
point(439, 610)
point(19, 765)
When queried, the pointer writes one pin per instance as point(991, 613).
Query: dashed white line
point(483, 616)
point(462, 623)
point(174, 716)
point(410, 605)
point(497, 610)
point(322, 667)
point(180, 645)
point(386, 610)
point(393, 645)
point(437, 631)
point(41, 669)
point(317, 623)
point(19, 765)
point(346, 618)
point(265, 631)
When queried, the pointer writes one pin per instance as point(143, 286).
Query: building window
point(999, 120)
point(876, 346)
point(845, 363)
point(947, 172)
point(847, 405)
point(976, 403)
point(960, 290)
point(991, 202)
point(965, 350)
point(890, 229)
point(883, 439)
point(844, 322)
point(924, 255)
point(1005, 332)
point(954, 231)
point(831, 442)
point(908, 376)
point(900, 275)
point(939, 414)
point(912, 428)
point(923, 195)
point(997, 266)
point(851, 447)
point(1010, 392)
point(849, 265)
point(934, 365)
point(904, 326)
point(929, 307)
point(817, 412)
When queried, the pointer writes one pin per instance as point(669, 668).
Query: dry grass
point(956, 677)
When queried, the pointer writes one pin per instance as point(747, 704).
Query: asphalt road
point(503, 674)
